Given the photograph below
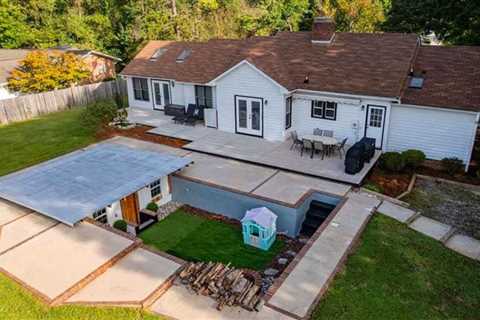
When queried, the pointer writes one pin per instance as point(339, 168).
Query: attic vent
point(416, 82)
point(158, 53)
point(183, 55)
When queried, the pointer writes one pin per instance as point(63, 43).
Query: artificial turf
point(195, 238)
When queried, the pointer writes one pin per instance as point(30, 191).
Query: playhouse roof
point(261, 216)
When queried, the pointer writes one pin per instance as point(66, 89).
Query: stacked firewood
point(227, 285)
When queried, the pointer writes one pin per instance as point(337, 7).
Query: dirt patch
point(139, 132)
point(449, 203)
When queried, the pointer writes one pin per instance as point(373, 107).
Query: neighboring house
point(381, 85)
point(102, 66)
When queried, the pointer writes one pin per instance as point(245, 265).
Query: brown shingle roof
point(372, 64)
point(369, 64)
point(451, 78)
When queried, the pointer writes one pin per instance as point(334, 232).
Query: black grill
point(358, 154)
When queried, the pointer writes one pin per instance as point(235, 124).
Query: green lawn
point(194, 238)
point(17, 303)
point(397, 273)
point(26, 143)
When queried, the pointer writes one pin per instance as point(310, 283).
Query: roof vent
point(416, 82)
point(183, 55)
point(158, 53)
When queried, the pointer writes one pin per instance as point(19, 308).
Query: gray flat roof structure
point(72, 187)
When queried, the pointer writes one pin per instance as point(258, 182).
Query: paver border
point(29, 238)
point(62, 297)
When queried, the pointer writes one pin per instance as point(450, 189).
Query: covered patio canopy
point(72, 187)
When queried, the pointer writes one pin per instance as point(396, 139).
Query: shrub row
point(412, 159)
point(397, 162)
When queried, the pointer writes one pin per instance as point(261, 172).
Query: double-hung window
point(140, 89)
point(324, 110)
point(288, 113)
point(155, 188)
point(204, 96)
point(100, 215)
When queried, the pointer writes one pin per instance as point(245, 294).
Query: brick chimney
point(323, 29)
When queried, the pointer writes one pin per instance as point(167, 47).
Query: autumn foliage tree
point(47, 70)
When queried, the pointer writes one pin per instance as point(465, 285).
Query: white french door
point(161, 94)
point(249, 115)
point(374, 127)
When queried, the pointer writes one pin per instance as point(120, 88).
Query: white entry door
point(161, 94)
point(249, 115)
point(374, 127)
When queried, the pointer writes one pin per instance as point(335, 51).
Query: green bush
point(98, 113)
point(152, 206)
point(392, 161)
point(413, 158)
point(120, 225)
point(452, 165)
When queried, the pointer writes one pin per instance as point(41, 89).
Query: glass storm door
point(249, 114)
point(161, 94)
point(374, 127)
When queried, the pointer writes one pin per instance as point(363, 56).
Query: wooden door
point(129, 207)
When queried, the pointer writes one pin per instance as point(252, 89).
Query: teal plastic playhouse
point(259, 227)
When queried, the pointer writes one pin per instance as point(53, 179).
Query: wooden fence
point(32, 105)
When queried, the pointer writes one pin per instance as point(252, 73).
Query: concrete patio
point(249, 149)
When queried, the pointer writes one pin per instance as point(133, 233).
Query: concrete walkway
point(246, 148)
point(309, 279)
point(444, 233)
point(132, 279)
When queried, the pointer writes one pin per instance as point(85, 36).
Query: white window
point(155, 188)
point(324, 110)
point(100, 215)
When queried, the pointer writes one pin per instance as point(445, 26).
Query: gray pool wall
point(234, 205)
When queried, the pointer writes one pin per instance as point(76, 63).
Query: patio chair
point(190, 112)
point(307, 145)
point(319, 147)
point(295, 141)
point(328, 133)
point(191, 120)
point(317, 131)
point(341, 147)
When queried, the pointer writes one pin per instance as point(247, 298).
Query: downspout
point(472, 144)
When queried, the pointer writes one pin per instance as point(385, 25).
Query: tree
point(355, 15)
point(44, 71)
point(14, 31)
point(455, 22)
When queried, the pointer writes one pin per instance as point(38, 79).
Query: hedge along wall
point(234, 205)
point(32, 105)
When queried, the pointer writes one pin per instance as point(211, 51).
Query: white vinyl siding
point(349, 120)
point(181, 93)
point(439, 133)
point(246, 81)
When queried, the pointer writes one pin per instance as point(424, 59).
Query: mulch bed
point(392, 184)
point(139, 132)
point(462, 177)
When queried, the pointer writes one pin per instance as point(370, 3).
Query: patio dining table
point(328, 142)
